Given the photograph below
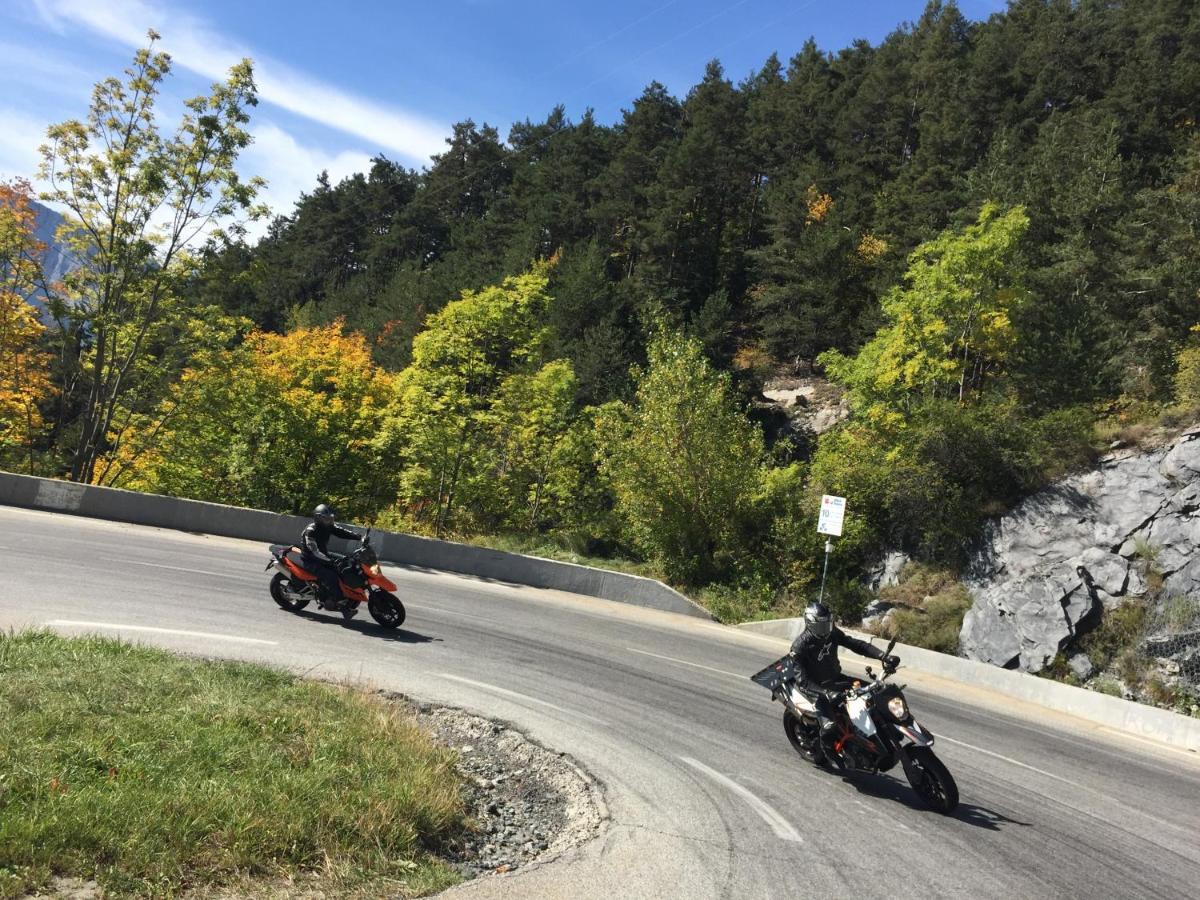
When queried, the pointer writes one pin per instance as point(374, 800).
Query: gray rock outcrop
point(1049, 568)
point(811, 404)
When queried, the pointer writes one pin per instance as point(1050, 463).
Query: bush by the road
point(153, 774)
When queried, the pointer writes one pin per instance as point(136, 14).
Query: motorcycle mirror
point(888, 651)
point(870, 672)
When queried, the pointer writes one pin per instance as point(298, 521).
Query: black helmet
point(324, 515)
point(817, 619)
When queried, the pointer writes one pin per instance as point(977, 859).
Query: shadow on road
point(884, 787)
point(368, 627)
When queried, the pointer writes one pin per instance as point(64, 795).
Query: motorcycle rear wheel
point(386, 609)
point(804, 739)
point(282, 594)
point(932, 781)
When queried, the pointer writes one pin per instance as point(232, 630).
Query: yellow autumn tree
point(24, 368)
point(280, 422)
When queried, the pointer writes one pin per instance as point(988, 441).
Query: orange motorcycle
point(359, 576)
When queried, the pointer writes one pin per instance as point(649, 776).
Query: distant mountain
point(58, 260)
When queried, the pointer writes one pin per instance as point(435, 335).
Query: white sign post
point(833, 514)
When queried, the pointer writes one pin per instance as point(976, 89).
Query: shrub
point(932, 604)
point(1119, 632)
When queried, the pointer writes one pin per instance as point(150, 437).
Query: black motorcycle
point(874, 730)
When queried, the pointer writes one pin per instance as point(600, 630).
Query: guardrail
point(393, 547)
point(1101, 709)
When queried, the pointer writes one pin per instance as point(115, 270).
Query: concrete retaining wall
point(1114, 712)
point(400, 549)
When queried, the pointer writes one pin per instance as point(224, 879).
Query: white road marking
point(111, 626)
point(684, 662)
point(1006, 759)
point(524, 698)
point(783, 829)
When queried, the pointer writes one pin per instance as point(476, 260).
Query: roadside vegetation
point(927, 608)
point(986, 235)
point(154, 775)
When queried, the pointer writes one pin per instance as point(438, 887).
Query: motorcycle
point(874, 730)
point(360, 579)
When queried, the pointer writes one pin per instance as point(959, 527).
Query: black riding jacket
point(817, 658)
point(315, 540)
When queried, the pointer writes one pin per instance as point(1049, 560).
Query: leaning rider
point(314, 551)
point(818, 671)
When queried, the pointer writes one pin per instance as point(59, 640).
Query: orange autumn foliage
point(24, 368)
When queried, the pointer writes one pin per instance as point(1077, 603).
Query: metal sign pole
point(825, 571)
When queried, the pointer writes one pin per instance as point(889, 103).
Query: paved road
point(706, 797)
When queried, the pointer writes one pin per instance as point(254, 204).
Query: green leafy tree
point(533, 451)
point(949, 328)
point(683, 461)
point(478, 416)
point(136, 200)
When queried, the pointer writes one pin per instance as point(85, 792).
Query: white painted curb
point(196, 516)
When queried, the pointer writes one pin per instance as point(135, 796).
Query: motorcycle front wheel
point(932, 781)
point(804, 738)
point(386, 609)
point(282, 593)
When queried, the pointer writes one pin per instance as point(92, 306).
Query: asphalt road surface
point(706, 797)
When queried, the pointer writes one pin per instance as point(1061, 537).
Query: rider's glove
point(891, 662)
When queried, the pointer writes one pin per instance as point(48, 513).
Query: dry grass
point(931, 604)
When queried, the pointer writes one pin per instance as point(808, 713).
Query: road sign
point(833, 511)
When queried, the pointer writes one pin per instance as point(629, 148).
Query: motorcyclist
point(315, 555)
point(818, 672)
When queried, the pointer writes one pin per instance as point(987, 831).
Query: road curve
point(706, 797)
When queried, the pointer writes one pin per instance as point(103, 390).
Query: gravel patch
point(527, 803)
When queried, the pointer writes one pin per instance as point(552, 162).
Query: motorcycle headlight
point(897, 708)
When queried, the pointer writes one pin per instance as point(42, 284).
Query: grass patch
point(931, 604)
point(154, 774)
point(732, 604)
point(1117, 637)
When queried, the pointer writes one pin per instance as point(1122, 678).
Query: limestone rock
point(1045, 572)
point(1082, 666)
point(887, 571)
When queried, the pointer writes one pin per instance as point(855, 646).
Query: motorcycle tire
point(281, 595)
point(932, 781)
point(386, 609)
point(804, 739)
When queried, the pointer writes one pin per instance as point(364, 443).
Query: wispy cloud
point(49, 72)
point(291, 168)
point(20, 137)
point(194, 45)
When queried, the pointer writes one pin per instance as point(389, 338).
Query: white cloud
point(195, 46)
point(20, 137)
point(291, 168)
point(42, 69)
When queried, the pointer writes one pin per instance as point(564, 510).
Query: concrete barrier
point(401, 549)
point(1102, 709)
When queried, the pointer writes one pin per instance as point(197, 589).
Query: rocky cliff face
point(1049, 569)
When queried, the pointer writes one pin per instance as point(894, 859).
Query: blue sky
point(342, 82)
